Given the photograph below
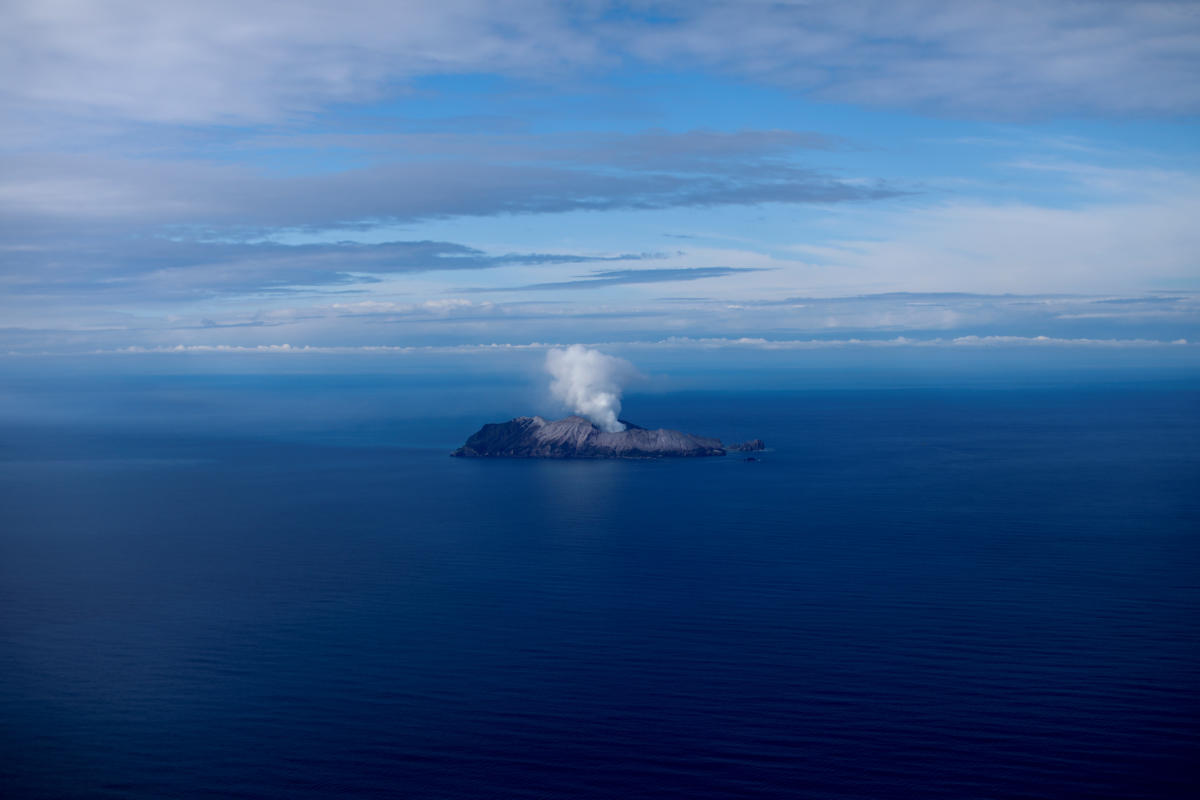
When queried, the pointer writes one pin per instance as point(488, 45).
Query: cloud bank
point(236, 62)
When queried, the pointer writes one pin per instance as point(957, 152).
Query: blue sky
point(375, 177)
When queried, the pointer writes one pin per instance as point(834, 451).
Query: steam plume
point(590, 383)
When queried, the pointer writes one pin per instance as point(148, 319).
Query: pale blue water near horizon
point(920, 592)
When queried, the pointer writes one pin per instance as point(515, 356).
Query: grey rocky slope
point(576, 437)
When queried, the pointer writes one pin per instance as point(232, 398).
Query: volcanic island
point(578, 437)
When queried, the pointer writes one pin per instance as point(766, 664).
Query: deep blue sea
point(926, 593)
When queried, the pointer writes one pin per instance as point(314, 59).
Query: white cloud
point(677, 343)
point(232, 61)
point(985, 58)
point(1023, 248)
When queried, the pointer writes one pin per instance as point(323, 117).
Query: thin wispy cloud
point(70, 188)
point(675, 343)
point(164, 268)
point(622, 277)
point(505, 317)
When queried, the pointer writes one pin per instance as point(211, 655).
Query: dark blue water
point(974, 594)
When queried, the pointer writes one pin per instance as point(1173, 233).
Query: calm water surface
point(979, 594)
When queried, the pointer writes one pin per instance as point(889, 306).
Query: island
point(577, 437)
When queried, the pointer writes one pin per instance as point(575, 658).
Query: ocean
point(915, 592)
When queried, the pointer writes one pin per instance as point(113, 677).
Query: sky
point(278, 178)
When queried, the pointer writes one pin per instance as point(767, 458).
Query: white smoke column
point(590, 383)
